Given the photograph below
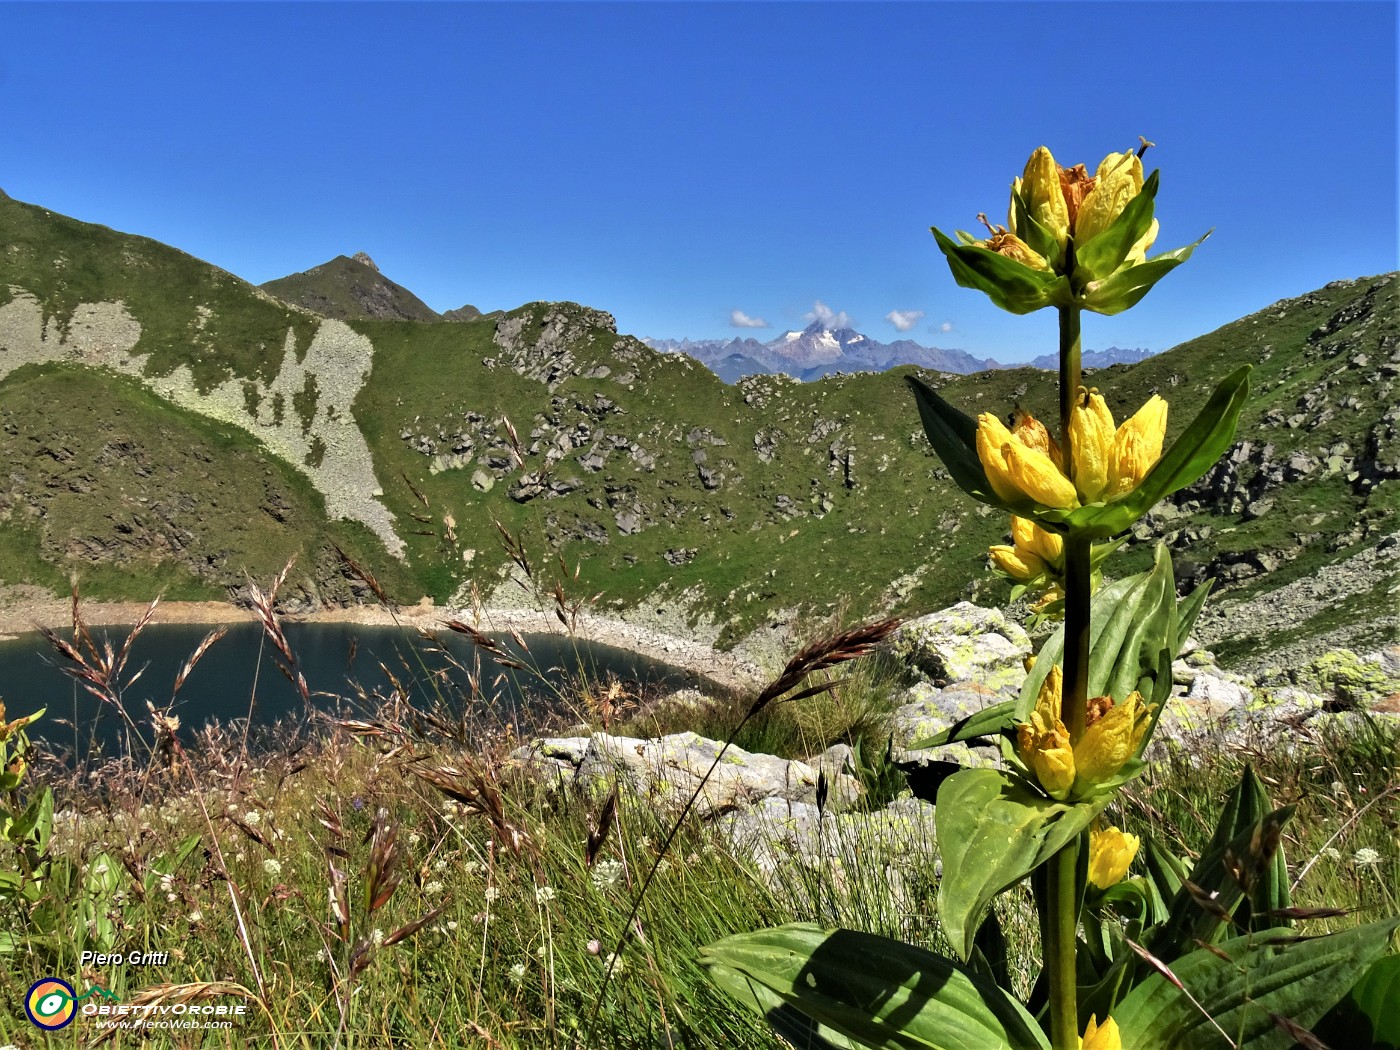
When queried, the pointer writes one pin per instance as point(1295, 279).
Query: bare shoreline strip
point(725, 669)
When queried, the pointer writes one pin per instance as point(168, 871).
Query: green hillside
point(672, 493)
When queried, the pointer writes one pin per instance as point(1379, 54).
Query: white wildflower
point(196, 916)
point(252, 818)
point(452, 924)
point(517, 973)
point(272, 867)
point(607, 874)
point(433, 888)
point(377, 937)
point(440, 864)
point(544, 894)
point(1332, 853)
point(1365, 857)
point(414, 838)
point(492, 894)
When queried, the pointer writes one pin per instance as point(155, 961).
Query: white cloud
point(739, 319)
point(904, 319)
point(828, 317)
point(946, 326)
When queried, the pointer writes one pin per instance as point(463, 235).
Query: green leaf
point(1367, 1016)
point(868, 990)
point(1013, 286)
point(953, 436)
point(1103, 255)
point(1189, 457)
point(1261, 976)
point(997, 720)
point(1125, 286)
point(992, 832)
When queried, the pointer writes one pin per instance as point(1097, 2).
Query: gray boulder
point(966, 643)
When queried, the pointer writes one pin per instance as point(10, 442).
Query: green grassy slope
point(190, 312)
point(133, 496)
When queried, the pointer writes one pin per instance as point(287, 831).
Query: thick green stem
point(1059, 952)
point(1064, 918)
point(1076, 668)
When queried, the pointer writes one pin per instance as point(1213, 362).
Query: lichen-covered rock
point(668, 770)
point(966, 643)
point(927, 710)
point(1354, 681)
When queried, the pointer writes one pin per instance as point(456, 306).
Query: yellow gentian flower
point(1111, 851)
point(1109, 463)
point(1040, 188)
point(1043, 742)
point(1101, 1036)
point(1016, 470)
point(1110, 740)
point(1137, 446)
point(1118, 181)
point(1005, 242)
point(1035, 551)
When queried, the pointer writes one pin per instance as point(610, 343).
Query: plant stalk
point(1064, 919)
point(1060, 951)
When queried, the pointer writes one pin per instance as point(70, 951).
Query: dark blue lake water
point(239, 677)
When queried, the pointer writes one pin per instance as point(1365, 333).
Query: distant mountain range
point(818, 351)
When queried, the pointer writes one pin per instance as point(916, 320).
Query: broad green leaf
point(953, 436)
point(870, 990)
point(1189, 457)
point(1013, 286)
point(1127, 285)
point(1368, 1016)
point(992, 832)
point(997, 720)
point(1103, 255)
point(1262, 975)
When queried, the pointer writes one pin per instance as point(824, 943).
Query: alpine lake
point(346, 666)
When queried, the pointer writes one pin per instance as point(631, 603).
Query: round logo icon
point(50, 1004)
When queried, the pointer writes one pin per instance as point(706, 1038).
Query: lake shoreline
point(727, 670)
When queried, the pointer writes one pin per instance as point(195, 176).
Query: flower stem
point(1076, 668)
point(1064, 918)
point(1060, 951)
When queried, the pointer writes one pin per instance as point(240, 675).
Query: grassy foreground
point(398, 881)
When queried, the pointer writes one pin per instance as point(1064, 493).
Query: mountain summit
point(350, 289)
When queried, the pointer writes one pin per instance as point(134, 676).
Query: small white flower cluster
point(544, 894)
point(1366, 857)
point(606, 874)
point(492, 894)
point(433, 888)
point(517, 973)
point(272, 867)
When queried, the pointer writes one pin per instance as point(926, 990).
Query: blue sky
point(674, 163)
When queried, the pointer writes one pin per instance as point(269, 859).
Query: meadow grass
point(395, 879)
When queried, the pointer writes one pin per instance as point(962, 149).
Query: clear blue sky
point(673, 163)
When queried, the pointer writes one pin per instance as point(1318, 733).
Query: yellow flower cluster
point(1025, 462)
point(1064, 766)
point(1072, 204)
